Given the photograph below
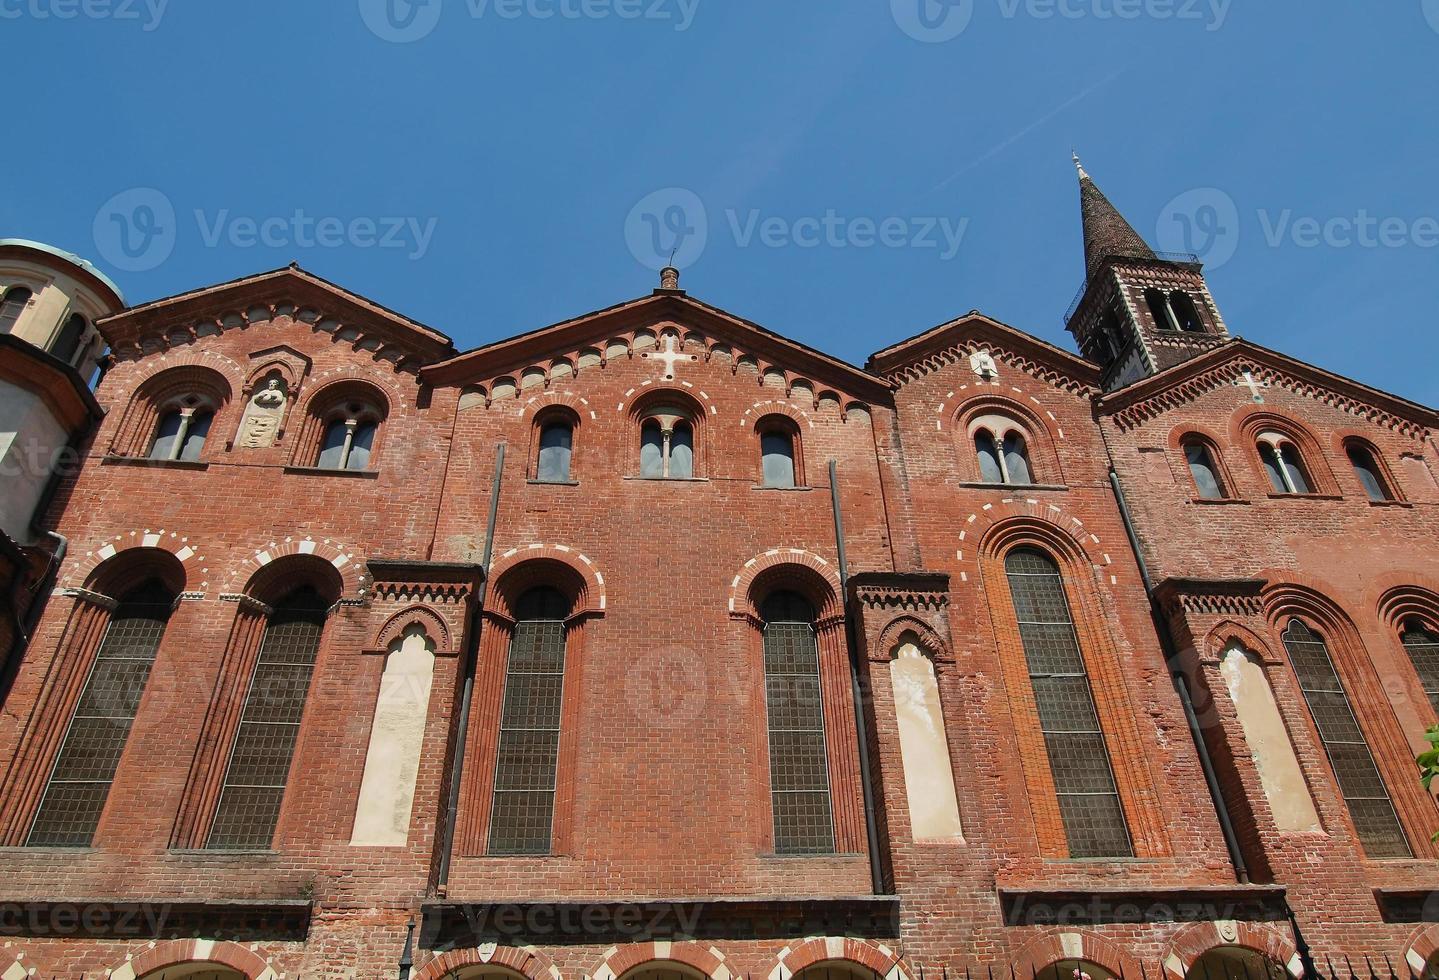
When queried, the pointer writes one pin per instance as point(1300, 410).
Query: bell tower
point(1139, 312)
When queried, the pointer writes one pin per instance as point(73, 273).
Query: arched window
point(1203, 469)
point(667, 444)
point(1186, 314)
point(1367, 469)
point(259, 769)
point(779, 459)
point(12, 306)
point(1422, 645)
point(1158, 305)
point(522, 811)
point(67, 345)
point(1359, 780)
point(100, 726)
point(798, 762)
point(1283, 464)
point(181, 434)
point(349, 440)
point(1235, 963)
point(1089, 803)
point(557, 441)
point(1003, 459)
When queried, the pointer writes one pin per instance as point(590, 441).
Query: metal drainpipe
point(876, 870)
point(1181, 687)
point(472, 658)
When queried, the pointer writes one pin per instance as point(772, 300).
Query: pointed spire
point(1106, 233)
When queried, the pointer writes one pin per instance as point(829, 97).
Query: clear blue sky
point(517, 146)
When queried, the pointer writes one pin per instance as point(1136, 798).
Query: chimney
point(670, 279)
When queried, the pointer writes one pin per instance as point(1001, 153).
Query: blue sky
point(847, 173)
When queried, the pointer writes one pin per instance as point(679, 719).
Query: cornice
point(901, 590)
point(400, 580)
point(1212, 597)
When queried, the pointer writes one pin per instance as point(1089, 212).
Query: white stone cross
point(671, 357)
point(1254, 386)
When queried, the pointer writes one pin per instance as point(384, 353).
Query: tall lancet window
point(523, 811)
point(1354, 768)
point(1089, 803)
point(259, 770)
point(798, 762)
point(1422, 645)
point(85, 768)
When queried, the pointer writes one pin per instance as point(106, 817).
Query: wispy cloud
point(1006, 144)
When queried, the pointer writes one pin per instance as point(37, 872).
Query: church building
point(654, 645)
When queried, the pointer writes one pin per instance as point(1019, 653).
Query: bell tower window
point(12, 306)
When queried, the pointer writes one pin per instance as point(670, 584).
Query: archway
point(664, 970)
point(1235, 963)
point(837, 970)
point(196, 971)
point(482, 971)
point(1075, 970)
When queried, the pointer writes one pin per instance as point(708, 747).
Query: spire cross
point(1255, 387)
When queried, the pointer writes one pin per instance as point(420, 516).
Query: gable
point(648, 327)
point(974, 333)
point(292, 293)
point(1238, 361)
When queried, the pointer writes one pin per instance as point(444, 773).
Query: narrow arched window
point(347, 444)
point(777, 457)
point(1186, 314)
point(1088, 795)
point(67, 345)
point(652, 451)
point(1158, 305)
point(522, 811)
point(1366, 468)
point(264, 746)
point(1204, 471)
point(1283, 465)
point(1016, 460)
point(987, 451)
point(557, 439)
point(799, 763)
point(682, 452)
point(1359, 780)
point(12, 306)
point(1422, 645)
point(181, 434)
point(100, 726)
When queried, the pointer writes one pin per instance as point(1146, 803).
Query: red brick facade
point(663, 846)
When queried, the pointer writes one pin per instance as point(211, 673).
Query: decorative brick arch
point(352, 570)
point(741, 587)
point(591, 599)
point(153, 366)
point(1057, 945)
point(1405, 596)
point(181, 951)
point(1014, 521)
point(417, 615)
point(861, 952)
point(1196, 939)
point(1223, 635)
point(708, 960)
point(528, 962)
point(565, 399)
point(930, 642)
point(1422, 946)
point(82, 569)
point(762, 410)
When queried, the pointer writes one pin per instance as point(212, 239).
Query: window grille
point(1089, 803)
point(1359, 780)
point(799, 764)
point(1423, 648)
